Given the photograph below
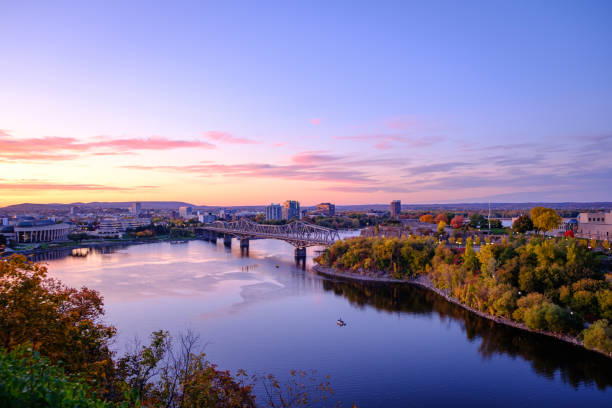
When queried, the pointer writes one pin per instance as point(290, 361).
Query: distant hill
point(482, 206)
point(155, 205)
point(173, 205)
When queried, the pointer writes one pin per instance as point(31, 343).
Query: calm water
point(402, 346)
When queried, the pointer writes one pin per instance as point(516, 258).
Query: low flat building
point(596, 225)
point(41, 231)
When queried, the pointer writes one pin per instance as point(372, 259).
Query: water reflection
point(263, 312)
point(547, 356)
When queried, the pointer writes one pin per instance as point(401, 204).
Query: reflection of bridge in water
point(297, 233)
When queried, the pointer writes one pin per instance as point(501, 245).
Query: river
point(402, 346)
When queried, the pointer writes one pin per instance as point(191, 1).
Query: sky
point(351, 102)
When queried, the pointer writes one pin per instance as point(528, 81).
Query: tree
point(428, 218)
point(477, 221)
point(522, 224)
point(441, 226)
point(497, 224)
point(606, 244)
point(545, 219)
point(441, 217)
point(457, 221)
point(599, 336)
point(61, 323)
point(593, 243)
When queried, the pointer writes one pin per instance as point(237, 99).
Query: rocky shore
point(424, 282)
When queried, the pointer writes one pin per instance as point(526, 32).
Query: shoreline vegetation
point(545, 286)
point(55, 350)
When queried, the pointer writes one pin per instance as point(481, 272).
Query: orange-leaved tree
point(427, 218)
point(63, 324)
point(441, 217)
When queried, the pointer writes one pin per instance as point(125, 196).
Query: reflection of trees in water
point(58, 253)
point(547, 356)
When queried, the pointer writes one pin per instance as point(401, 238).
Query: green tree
point(522, 224)
point(477, 221)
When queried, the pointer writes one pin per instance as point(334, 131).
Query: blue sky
point(353, 102)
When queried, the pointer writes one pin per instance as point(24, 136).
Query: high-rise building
point(396, 208)
point(328, 209)
point(135, 209)
point(274, 212)
point(185, 212)
point(291, 210)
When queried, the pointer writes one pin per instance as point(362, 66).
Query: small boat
point(277, 265)
point(341, 322)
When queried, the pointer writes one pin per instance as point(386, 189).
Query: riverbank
point(67, 245)
point(424, 282)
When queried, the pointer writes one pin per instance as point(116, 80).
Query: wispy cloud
point(315, 121)
point(224, 137)
point(40, 185)
point(54, 148)
point(383, 141)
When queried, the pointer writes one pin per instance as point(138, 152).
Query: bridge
point(297, 233)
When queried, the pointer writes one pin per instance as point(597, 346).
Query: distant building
point(135, 209)
point(41, 231)
point(291, 210)
point(110, 227)
point(185, 212)
point(595, 225)
point(206, 217)
point(396, 208)
point(73, 210)
point(328, 209)
point(4, 221)
point(274, 212)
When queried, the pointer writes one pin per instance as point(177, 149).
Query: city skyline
point(243, 104)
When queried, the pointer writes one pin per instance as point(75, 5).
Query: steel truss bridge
point(297, 233)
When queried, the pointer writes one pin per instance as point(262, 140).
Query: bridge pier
point(244, 247)
point(227, 240)
point(300, 252)
point(212, 236)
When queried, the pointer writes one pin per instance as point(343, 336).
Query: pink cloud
point(305, 167)
point(224, 137)
point(314, 157)
point(53, 148)
point(316, 122)
point(4, 133)
point(279, 144)
point(39, 185)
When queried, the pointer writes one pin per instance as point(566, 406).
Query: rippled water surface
point(402, 346)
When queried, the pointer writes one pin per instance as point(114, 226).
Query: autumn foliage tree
point(441, 217)
point(545, 219)
point(428, 218)
point(457, 221)
point(63, 324)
